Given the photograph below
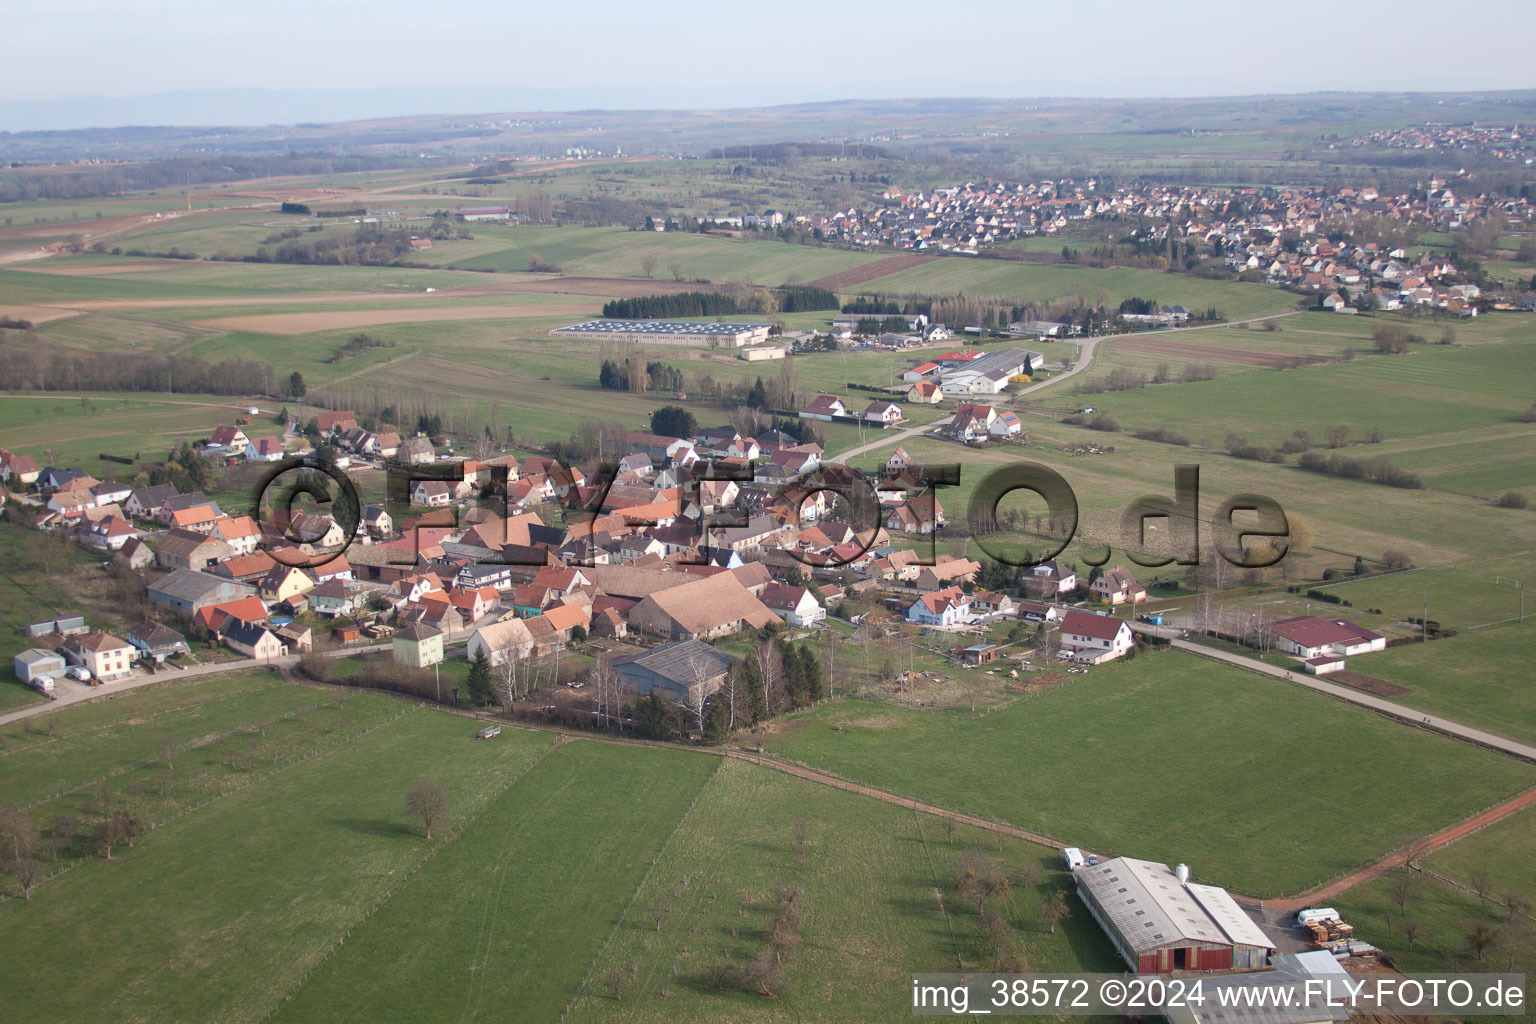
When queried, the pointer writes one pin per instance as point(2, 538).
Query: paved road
point(1348, 693)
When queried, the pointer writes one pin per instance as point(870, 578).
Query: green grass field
point(1171, 758)
point(1034, 282)
point(222, 911)
point(1445, 913)
point(863, 929)
point(281, 878)
point(513, 908)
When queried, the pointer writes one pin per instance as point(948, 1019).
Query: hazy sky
point(689, 52)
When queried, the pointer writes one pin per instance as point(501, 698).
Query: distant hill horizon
point(258, 107)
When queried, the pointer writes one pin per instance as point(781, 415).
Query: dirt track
point(1443, 838)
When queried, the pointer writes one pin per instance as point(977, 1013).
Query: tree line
point(58, 368)
point(115, 179)
point(663, 307)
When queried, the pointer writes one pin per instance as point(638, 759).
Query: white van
point(1316, 914)
point(1073, 858)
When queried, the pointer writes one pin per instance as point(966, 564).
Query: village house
point(925, 392)
point(251, 639)
point(989, 602)
point(187, 549)
point(920, 515)
point(1049, 579)
point(227, 441)
point(499, 641)
point(1117, 586)
point(947, 607)
point(336, 597)
point(240, 532)
point(103, 655)
point(797, 606)
point(156, 640)
point(947, 570)
point(248, 609)
point(265, 449)
point(824, 408)
point(417, 645)
point(1093, 638)
point(146, 502)
point(416, 451)
point(884, 413)
point(284, 582)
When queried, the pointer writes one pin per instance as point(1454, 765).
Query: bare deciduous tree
point(1479, 939)
point(770, 671)
point(1053, 907)
point(427, 802)
point(1482, 884)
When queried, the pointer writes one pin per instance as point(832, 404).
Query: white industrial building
point(717, 334)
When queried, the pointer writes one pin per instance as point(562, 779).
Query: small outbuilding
point(35, 665)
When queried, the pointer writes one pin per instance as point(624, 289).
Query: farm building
point(683, 671)
point(668, 332)
point(979, 654)
point(34, 664)
point(484, 213)
point(1159, 921)
point(1309, 637)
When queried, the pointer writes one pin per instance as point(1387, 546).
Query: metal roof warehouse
point(1159, 921)
point(715, 334)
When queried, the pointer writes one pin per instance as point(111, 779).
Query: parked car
point(79, 673)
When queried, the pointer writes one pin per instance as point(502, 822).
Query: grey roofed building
point(416, 632)
point(66, 625)
point(677, 669)
point(1159, 923)
point(35, 663)
point(156, 639)
point(185, 591)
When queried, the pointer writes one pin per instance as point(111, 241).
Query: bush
point(1513, 499)
point(1377, 470)
point(1163, 435)
point(1104, 421)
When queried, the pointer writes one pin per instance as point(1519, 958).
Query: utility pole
point(1424, 622)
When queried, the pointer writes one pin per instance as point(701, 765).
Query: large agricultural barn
point(669, 332)
point(1160, 921)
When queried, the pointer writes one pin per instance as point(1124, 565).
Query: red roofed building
point(1310, 637)
point(1094, 638)
point(247, 609)
point(947, 607)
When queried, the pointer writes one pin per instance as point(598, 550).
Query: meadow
point(1446, 913)
point(1007, 281)
point(1173, 758)
point(226, 906)
point(279, 877)
point(864, 930)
